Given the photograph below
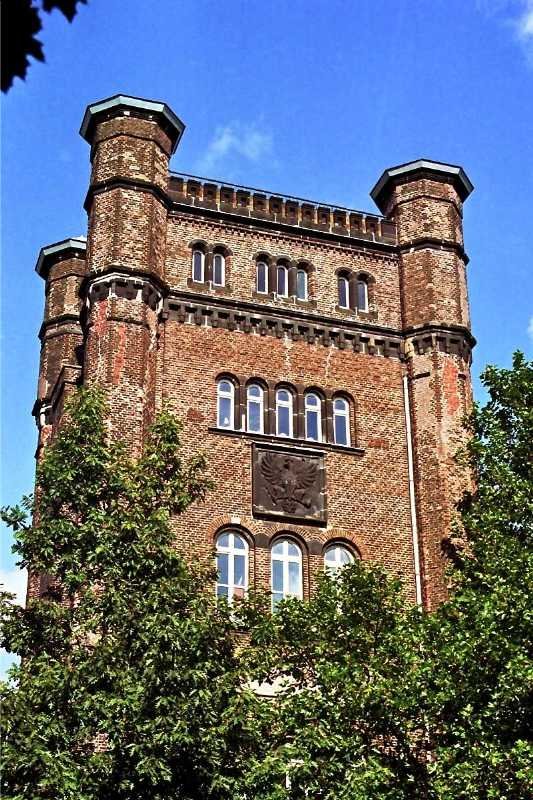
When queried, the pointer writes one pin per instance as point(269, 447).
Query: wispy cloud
point(530, 328)
point(236, 140)
point(524, 27)
point(517, 16)
point(14, 581)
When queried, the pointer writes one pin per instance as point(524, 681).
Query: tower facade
point(319, 355)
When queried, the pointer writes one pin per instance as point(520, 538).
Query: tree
point(129, 684)
point(21, 22)
point(384, 703)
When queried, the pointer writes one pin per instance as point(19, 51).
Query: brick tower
point(320, 356)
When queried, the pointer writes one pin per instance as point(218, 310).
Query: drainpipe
point(412, 499)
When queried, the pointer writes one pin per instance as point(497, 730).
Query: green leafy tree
point(129, 683)
point(382, 702)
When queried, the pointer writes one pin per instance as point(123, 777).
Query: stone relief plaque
point(288, 483)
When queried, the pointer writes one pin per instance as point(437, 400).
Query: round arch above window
point(338, 555)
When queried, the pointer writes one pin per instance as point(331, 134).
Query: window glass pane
point(278, 548)
point(225, 386)
point(301, 284)
point(223, 540)
point(254, 417)
point(283, 395)
point(254, 390)
point(293, 549)
point(277, 597)
point(238, 542)
point(311, 425)
point(262, 277)
point(284, 421)
point(345, 556)
point(341, 429)
point(343, 292)
point(294, 577)
point(282, 281)
point(222, 567)
point(218, 270)
point(340, 404)
point(198, 266)
point(222, 591)
point(362, 295)
point(239, 567)
point(224, 413)
point(277, 575)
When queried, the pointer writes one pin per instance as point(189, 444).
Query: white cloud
point(14, 581)
point(517, 16)
point(530, 329)
point(244, 141)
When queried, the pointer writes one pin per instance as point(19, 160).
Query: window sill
point(281, 440)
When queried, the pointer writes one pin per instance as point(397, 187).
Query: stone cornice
point(427, 242)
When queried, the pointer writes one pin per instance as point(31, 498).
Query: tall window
point(341, 421)
point(362, 295)
point(313, 418)
point(286, 568)
point(225, 404)
point(232, 565)
point(262, 277)
point(219, 270)
point(336, 557)
point(301, 284)
point(283, 412)
point(344, 294)
point(283, 275)
point(198, 266)
point(254, 408)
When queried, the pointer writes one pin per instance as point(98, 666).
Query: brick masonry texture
point(123, 312)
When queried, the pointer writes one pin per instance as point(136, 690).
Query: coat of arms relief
point(288, 483)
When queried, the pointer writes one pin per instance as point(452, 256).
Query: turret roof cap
point(172, 122)
point(46, 254)
point(455, 174)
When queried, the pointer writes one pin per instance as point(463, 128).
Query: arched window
point(283, 413)
point(219, 269)
point(344, 292)
point(198, 266)
point(225, 404)
point(232, 565)
point(313, 417)
point(262, 277)
point(283, 280)
point(336, 557)
point(286, 571)
point(341, 421)
point(254, 408)
point(301, 284)
point(362, 295)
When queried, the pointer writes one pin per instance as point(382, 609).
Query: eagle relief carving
point(287, 483)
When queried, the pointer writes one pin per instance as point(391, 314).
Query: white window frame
point(337, 564)
point(306, 287)
point(222, 393)
point(317, 409)
point(364, 284)
point(285, 404)
point(260, 401)
point(285, 269)
point(286, 559)
point(223, 271)
point(346, 284)
point(261, 265)
point(231, 551)
point(345, 414)
point(202, 265)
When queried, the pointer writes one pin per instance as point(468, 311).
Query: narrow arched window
point(255, 408)
point(262, 277)
point(362, 295)
point(313, 417)
point(232, 565)
point(301, 284)
point(219, 270)
point(341, 421)
point(286, 571)
point(225, 404)
point(283, 280)
point(336, 557)
point(198, 266)
point(283, 413)
point(344, 292)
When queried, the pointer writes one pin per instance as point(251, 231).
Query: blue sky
point(309, 97)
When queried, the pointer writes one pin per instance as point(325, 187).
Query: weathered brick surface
point(149, 335)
